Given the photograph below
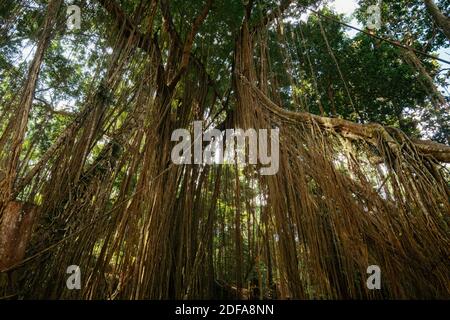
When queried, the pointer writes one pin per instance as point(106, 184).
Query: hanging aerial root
point(348, 196)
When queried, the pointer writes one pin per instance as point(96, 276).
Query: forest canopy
point(91, 92)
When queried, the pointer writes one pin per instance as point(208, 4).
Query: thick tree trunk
point(15, 232)
point(439, 18)
point(351, 130)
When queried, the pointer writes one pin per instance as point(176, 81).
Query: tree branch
point(144, 41)
point(188, 43)
point(52, 110)
point(271, 16)
point(348, 129)
point(439, 18)
point(128, 29)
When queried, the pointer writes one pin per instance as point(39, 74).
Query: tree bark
point(20, 122)
point(438, 17)
point(15, 232)
point(351, 130)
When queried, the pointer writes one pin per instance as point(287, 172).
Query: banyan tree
point(87, 114)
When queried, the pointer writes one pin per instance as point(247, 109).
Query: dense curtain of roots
point(346, 196)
